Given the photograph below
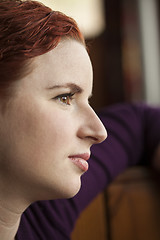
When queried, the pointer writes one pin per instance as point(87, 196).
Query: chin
point(61, 191)
point(72, 194)
point(71, 191)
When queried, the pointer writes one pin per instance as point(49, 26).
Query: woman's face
point(49, 127)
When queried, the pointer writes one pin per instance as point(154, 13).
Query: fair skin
point(48, 122)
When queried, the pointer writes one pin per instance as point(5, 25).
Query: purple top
point(132, 131)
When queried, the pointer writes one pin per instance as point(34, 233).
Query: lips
point(80, 160)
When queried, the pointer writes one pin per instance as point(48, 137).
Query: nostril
point(99, 137)
point(94, 139)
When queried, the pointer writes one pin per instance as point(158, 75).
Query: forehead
point(69, 58)
point(67, 63)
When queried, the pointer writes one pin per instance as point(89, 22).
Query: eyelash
point(65, 98)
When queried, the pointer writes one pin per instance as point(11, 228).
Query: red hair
point(29, 29)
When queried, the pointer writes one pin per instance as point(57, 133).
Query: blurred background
point(124, 46)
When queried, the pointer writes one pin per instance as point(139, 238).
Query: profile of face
point(48, 127)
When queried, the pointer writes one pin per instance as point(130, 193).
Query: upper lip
point(84, 156)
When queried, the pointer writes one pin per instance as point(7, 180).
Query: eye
point(65, 98)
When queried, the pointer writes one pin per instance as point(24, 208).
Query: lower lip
point(80, 163)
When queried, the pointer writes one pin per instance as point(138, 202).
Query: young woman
point(47, 126)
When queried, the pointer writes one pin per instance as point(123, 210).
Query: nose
point(92, 128)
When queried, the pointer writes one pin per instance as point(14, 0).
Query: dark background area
point(116, 56)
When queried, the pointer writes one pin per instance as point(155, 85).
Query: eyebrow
point(74, 87)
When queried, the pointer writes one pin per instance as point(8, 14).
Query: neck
point(9, 222)
point(11, 209)
point(12, 204)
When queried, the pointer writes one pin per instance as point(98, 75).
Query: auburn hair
point(29, 29)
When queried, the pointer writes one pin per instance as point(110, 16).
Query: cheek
point(45, 131)
point(51, 126)
point(38, 133)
